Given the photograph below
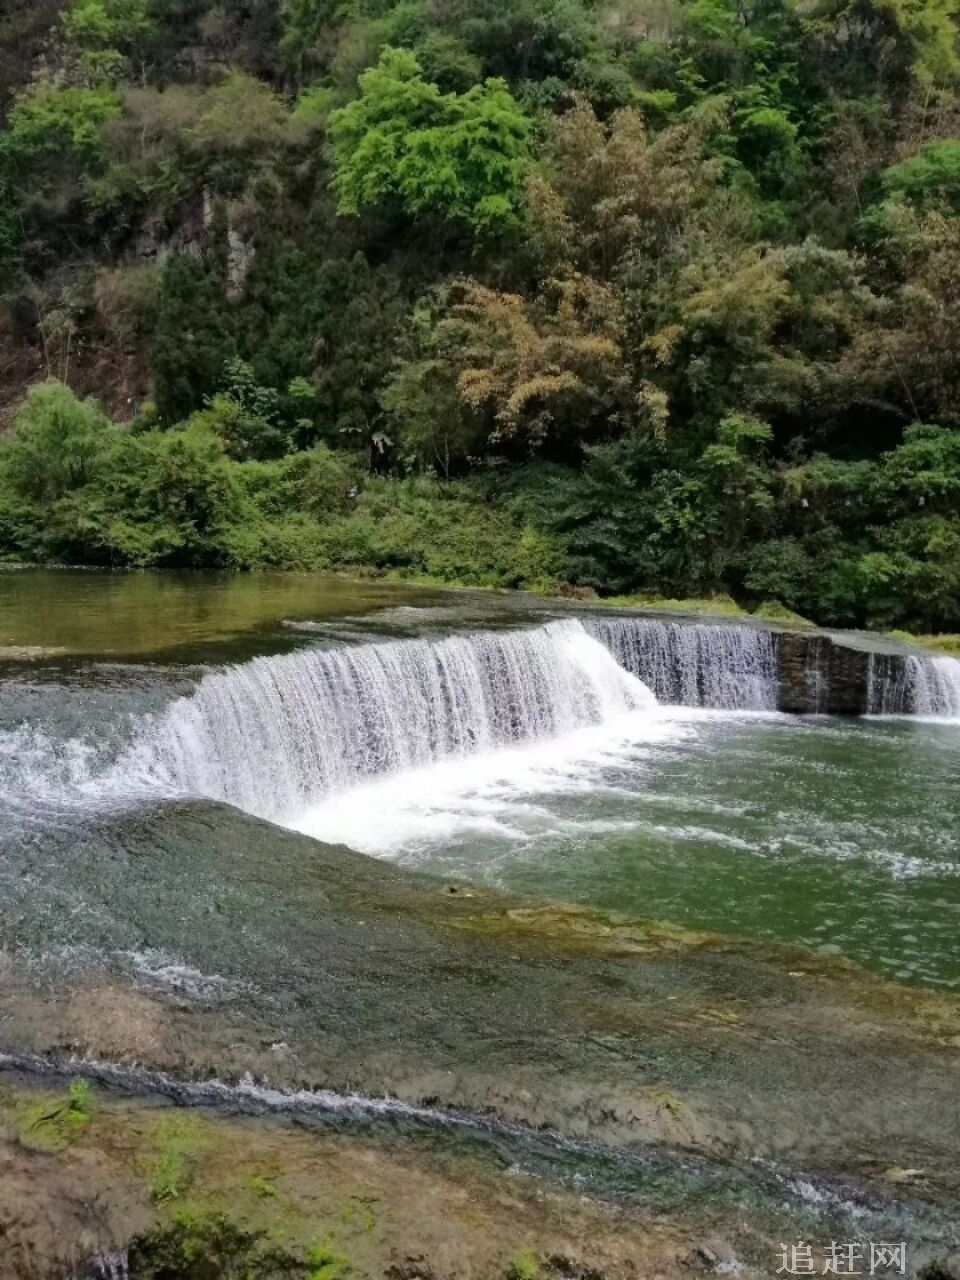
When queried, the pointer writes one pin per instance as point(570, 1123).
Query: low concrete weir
point(823, 674)
point(852, 673)
point(279, 734)
point(757, 667)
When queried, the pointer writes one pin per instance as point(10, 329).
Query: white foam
point(498, 794)
point(280, 734)
point(167, 973)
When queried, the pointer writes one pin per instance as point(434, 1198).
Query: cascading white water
point(943, 688)
point(278, 734)
point(733, 668)
point(915, 686)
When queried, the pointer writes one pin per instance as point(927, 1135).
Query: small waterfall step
point(916, 684)
point(744, 666)
point(856, 673)
point(696, 664)
point(280, 733)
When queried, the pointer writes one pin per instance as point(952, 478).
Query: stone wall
point(827, 674)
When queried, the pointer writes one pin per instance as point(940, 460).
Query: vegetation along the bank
point(655, 296)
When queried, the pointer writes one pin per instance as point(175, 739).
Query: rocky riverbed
point(604, 1091)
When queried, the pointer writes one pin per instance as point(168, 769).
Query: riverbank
point(135, 1187)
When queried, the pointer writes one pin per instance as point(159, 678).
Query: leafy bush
point(461, 157)
point(56, 446)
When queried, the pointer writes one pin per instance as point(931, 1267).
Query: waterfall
point(915, 685)
point(696, 664)
point(279, 733)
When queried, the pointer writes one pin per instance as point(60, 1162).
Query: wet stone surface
point(311, 966)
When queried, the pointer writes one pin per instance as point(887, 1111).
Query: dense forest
point(632, 295)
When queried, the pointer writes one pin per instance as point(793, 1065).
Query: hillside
point(656, 295)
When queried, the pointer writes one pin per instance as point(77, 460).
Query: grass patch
point(54, 1123)
point(325, 1263)
point(725, 605)
point(948, 644)
point(178, 1142)
point(525, 1266)
point(722, 606)
point(774, 611)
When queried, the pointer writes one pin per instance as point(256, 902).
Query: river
point(552, 883)
point(494, 739)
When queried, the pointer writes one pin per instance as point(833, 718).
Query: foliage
point(606, 191)
point(942, 643)
point(108, 24)
point(305, 24)
point(725, 605)
point(175, 498)
point(55, 134)
point(192, 338)
point(910, 359)
point(240, 115)
point(538, 371)
point(659, 300)
point(55, 446)
point(326, 1263)
point(176, 1143)
point(417, 529)
point(930, 179)
point(209, 1246)
point(525, 1266)
point(931, 31)
point(457, 156)
point(435, 428)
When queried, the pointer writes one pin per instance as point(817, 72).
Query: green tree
point(172, 498)
point(96, 25)
point(462, 157)
point(194, 336)
point(55, 445)
point(306, 22)
point(426, 415)
point(929, 180)
point(909, 358)
point(56, 131)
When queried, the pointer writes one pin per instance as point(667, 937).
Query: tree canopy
point(460, 157)
point(659, 298)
